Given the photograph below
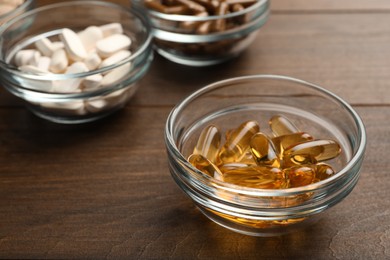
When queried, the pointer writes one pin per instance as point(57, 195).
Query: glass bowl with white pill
point(13, 8)
point(203, 33)
point(265, 155)
point(77, 61)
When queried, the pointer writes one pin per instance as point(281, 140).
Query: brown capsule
point(321, 150)
point(299, 176)
point(237, 144)
point(220, 24)
point(282, 142)
point(204, 27)
point(208, 143)
point(262, 151)
point(324, 171)
point(280, 125)
point(296, 160)
point(245, 3)
point(202, 164)
point(195, 7)
point(190, 25)
point(261, 177)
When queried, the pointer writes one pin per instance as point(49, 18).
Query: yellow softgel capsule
point(299, 176)
point(208, 143)
point(263, 151)
point(323, 171)
point(261, 177)
point(204, 165)
point(280, 125)
point(321, 150)
point(237, 143)
point(283, 142)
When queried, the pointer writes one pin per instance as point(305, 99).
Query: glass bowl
point(226, 104)
point(22, 8)
point(199, 40)
point(52, 95)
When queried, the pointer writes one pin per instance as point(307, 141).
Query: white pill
point(73, 45)
point(44, 63)
point(57, 45)
point(45, 46)
point(92, 82)
point(66, 108)
point(92, 61)
point(111, 28)
point(95, 105)
point(90, 36)
point(117, 97)
point(32, 69)
point(115, 58)
point(116, 75)
point(76, 67)
point(40, 85)
point(59, 61)
point(73, 84)
point(112, 44)
point(23, 57)
point(35, 58)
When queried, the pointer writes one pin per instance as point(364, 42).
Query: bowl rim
point(211, 182)
point(52, 76)
point(193, 18)
point(25, 4)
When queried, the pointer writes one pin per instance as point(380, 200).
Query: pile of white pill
point(7, 6)
point(73, 52)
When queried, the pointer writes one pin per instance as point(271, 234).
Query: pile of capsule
point(7, 6)
point(249, 158)
point(203, 8)
point(93, 48)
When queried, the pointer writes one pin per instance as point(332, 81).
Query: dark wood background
point(103, 190)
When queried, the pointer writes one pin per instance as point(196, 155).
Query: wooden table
point(103, 190)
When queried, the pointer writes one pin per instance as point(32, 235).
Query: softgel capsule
point(71, 52)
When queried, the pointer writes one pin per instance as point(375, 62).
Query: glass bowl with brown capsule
point(204, 32)
point(264, 155)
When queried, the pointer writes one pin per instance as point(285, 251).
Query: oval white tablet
point(116, 75)
point(92, 61)
point(73, 45)
point(92, 82)
point(111, 28)
point(59, 61)
point(115, 58)
point(110, 45)
point(90, 36)
point(45, 46)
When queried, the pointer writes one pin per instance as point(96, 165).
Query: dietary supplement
point(215, 25)
point(250, 158)
point(71, 52)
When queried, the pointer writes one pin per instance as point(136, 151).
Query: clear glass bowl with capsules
point(265, 155)
point(75, 61)
point(203, 32)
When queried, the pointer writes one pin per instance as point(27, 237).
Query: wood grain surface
point(103, 190)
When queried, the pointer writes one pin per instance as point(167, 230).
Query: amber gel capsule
point(202, 164)
point(299, 176)
point(261, 177)
point(262, 151)
point(208, 143)
point(282, 142)
point(280, 125)
point(323, 171)
point(321, 150)
point(237, 143)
